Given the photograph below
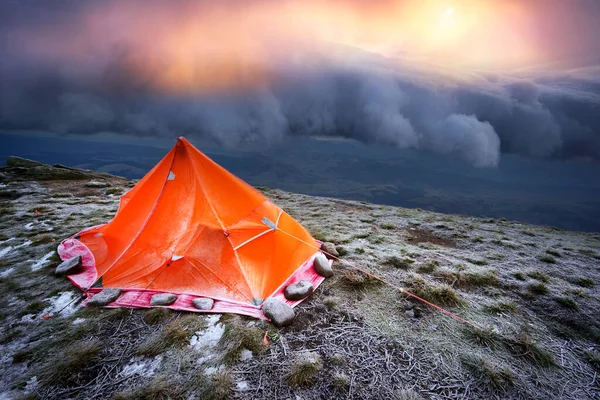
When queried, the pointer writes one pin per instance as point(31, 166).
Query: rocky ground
point(534, 291)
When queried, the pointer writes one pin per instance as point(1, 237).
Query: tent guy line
point(400, 289)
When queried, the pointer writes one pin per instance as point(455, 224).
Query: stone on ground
point(105, 297)
point(322, 266)
point(298, 290)
point(329, 249)
point(70, 266)
point(204, 304)
point(279, 312)
point(163, 299)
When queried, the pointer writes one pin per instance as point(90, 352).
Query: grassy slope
point(534, 290)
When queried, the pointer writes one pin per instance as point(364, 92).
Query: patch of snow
point(29, 226)
point(7, 240)
point(242, 385)
point(210, 336)
point(245, 355)
point(6, 250)
point(212, 370)
point(139, 366)
point(61, 302)
point(28, 318)
point(42, 261)
point(31, 384)
point(78, 321)
point(7, 272)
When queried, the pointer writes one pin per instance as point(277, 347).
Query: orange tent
point(191, 228)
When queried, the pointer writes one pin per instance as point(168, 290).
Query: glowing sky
point(204, 46)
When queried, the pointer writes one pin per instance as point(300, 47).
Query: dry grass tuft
point(340, 381)
point(155, 316)
point(65, 367)
point(523, 346)
point(548, 259)
point(442, 295)
point(584, 282)
point(538, 289)
point(507, 307)
point(174, 334)
point(356, 279)
point(538, 275)
point(593, 358)
point(305, 369)
point(567, 303)
point(160, 388)
point(217, 387)
point(553, 252)
point(401, 263)
point(482, 337)
point(428, 267)
point(239, 336)
point(487, 373)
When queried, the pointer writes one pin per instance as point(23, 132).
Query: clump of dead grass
point(239, 336)
point(482, 337)
point(174, 334)
point(442, 295)
point(547, 258)
point(567, 303)
point(539, 275)
point(487, 373)
point(505, 307)
point(218, 386)
point(160, 388)
point(355, 279)
point(538, 289)
point(65, 367)
point(522, 345)
point(428, 267)
point(397, 262)
point(584, 282)
point(155, 316)
point(305, 369)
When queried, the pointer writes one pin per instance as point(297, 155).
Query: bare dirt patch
point(416, 236)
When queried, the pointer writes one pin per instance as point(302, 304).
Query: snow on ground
point(210, 336)
point(63, 301)
point(7, 240)
point(245, 355)
point(8, 249)
point(4, 274)
point(242, 385)
point(39, 226)
point(141, 366)
point(78, 321)
point(40, 263)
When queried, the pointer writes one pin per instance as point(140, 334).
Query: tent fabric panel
point(129, 221)
point(231, 198)
point(275, 256)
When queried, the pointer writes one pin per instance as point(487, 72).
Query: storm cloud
point(475, 116)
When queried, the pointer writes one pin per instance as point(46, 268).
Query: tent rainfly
point(192, 236)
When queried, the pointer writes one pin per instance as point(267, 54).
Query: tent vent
point(269, 223)
point(171, 176)
point(176, 257)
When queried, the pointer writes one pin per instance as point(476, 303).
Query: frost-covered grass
point(533, 290)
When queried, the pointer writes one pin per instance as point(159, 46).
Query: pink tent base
point(136, 298)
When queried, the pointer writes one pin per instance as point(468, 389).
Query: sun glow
point(214, 46)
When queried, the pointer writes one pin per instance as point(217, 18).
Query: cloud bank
point(314, 89)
